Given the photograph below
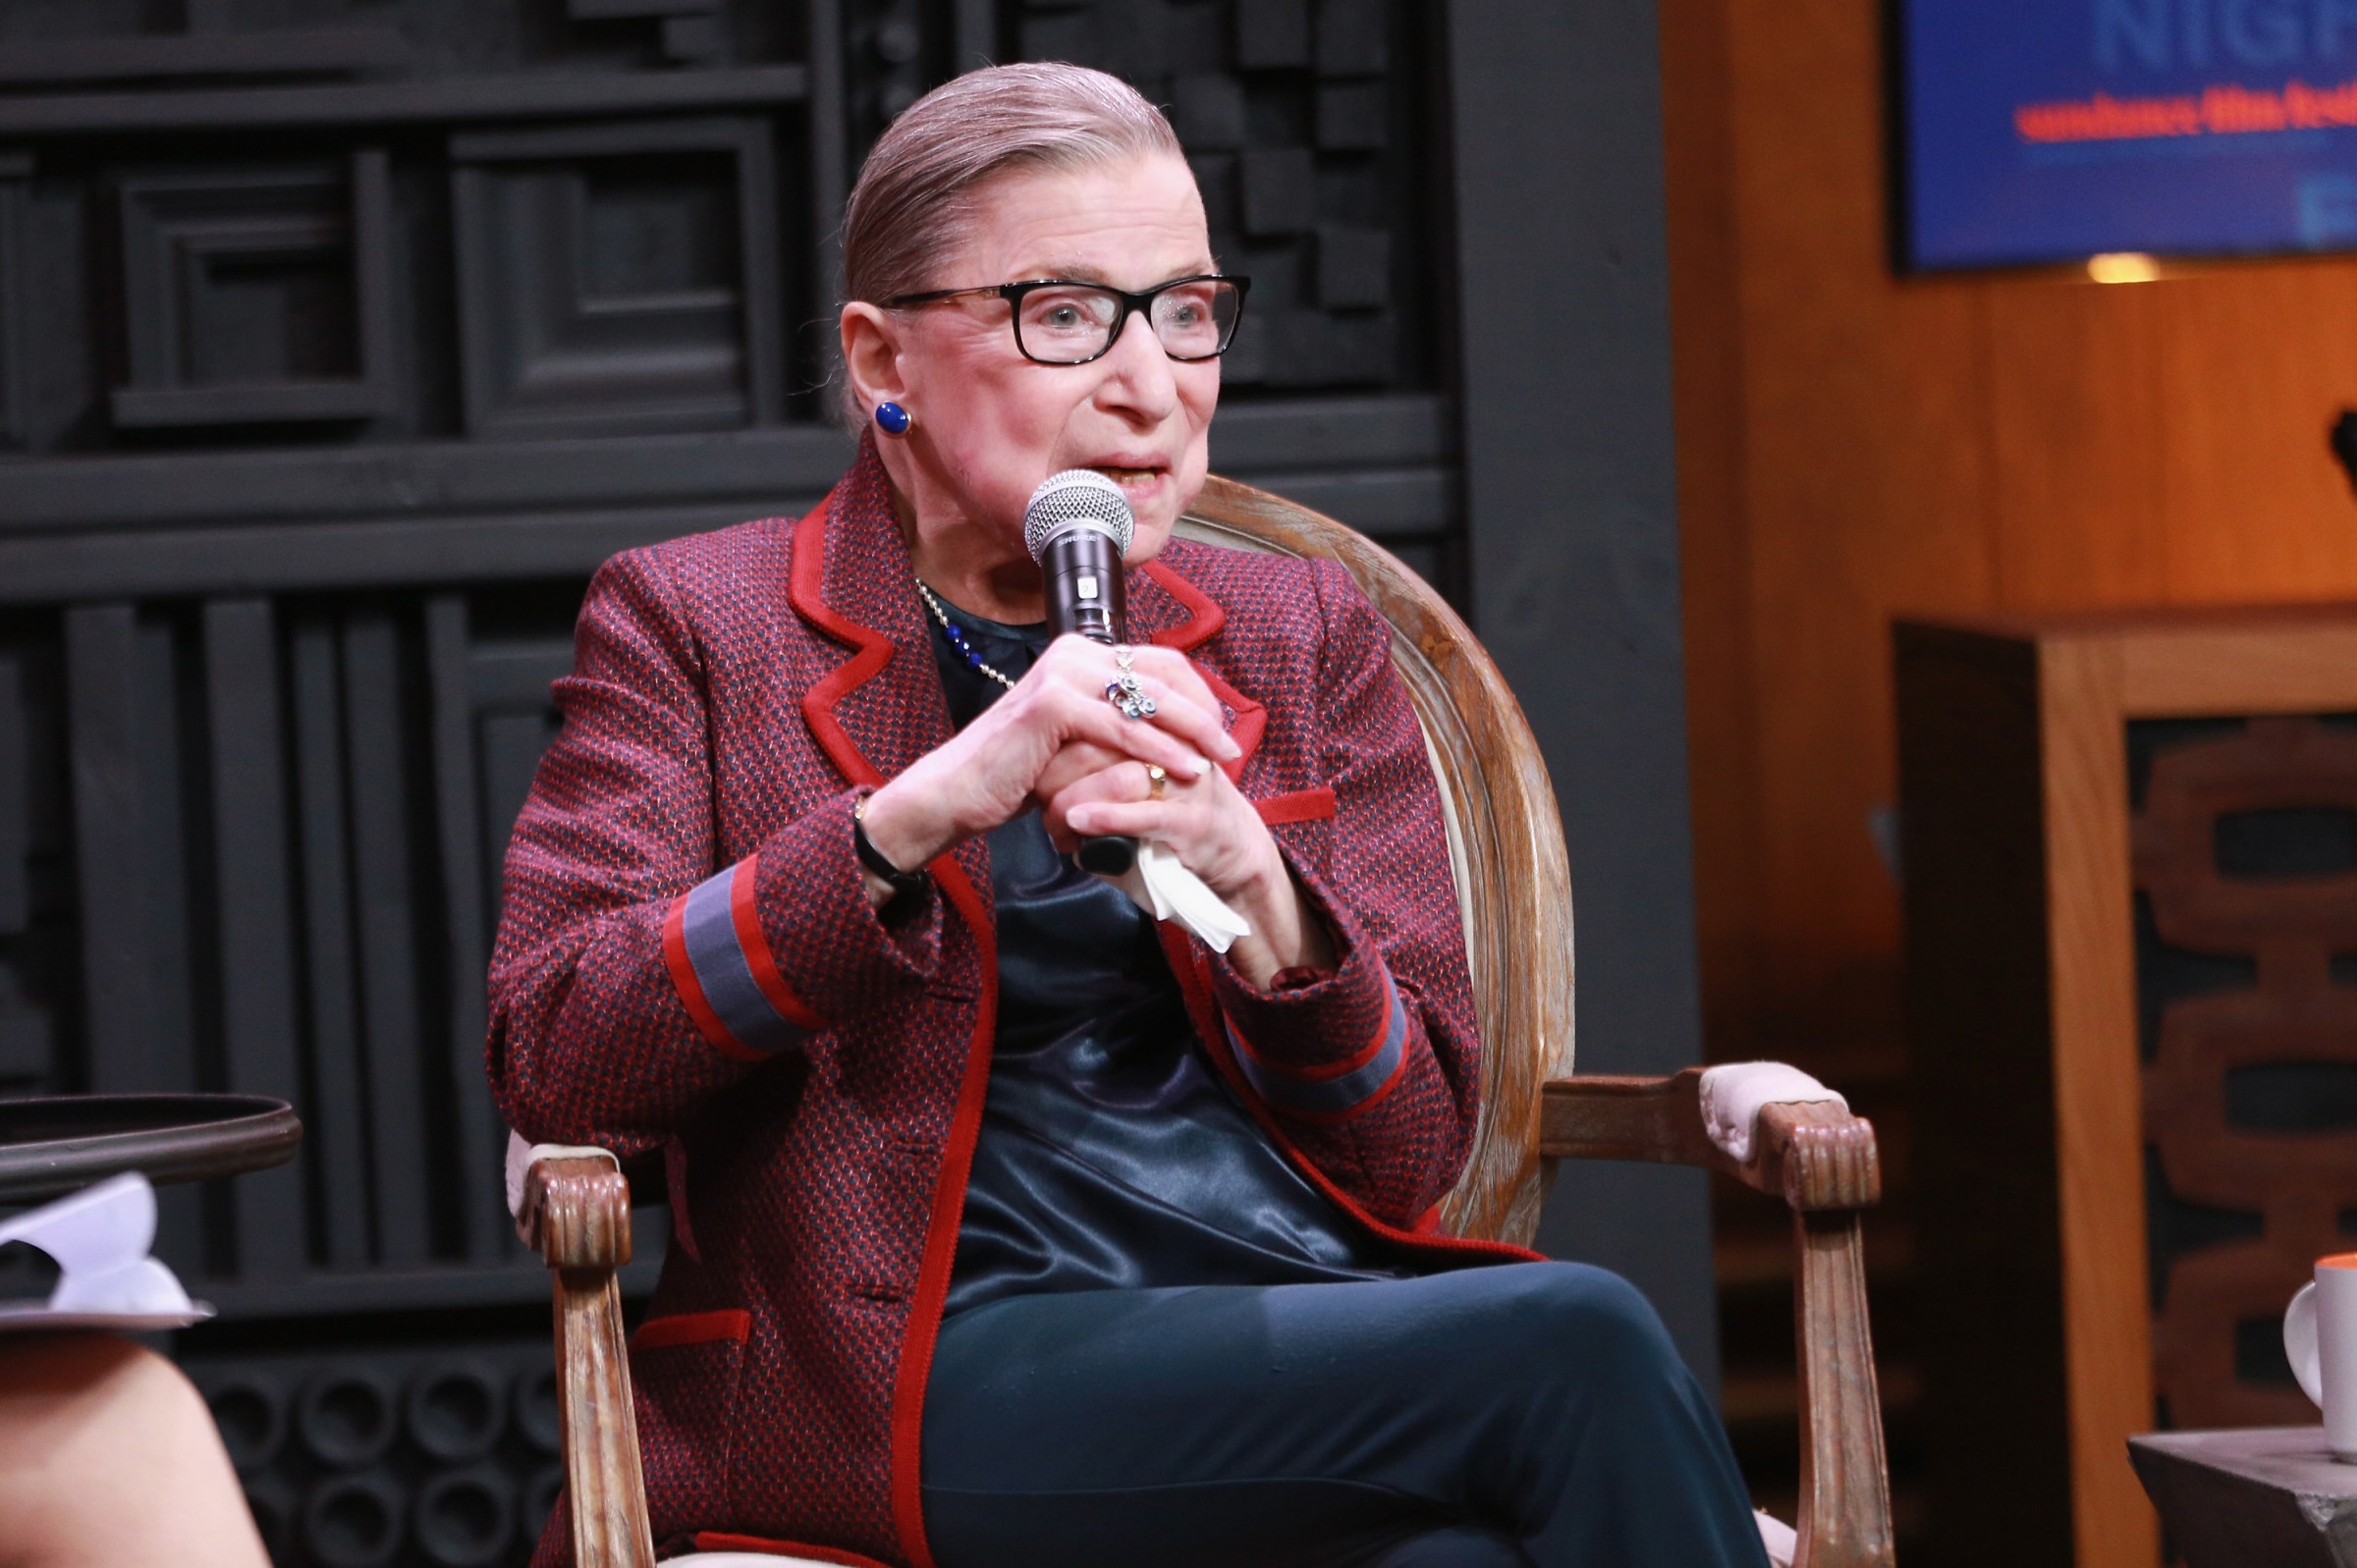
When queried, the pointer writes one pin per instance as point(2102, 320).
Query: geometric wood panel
point(285, 875)
point(619, 278)
point(129, 745)
point(2244, 855)
point(16, 175)
point(1290, 113)
point(343, 516)
point(507, 700)
point(2130, 854)
point(253, 909)
point(25, 1036)
point(341, 1188)
point(39, 1014)
point(469, 914)
point(391, 961)
point(443, 1456)
point(256, 295)
point(688, 31)
point(210, 46)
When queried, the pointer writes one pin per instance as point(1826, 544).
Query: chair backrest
point(1505, 842)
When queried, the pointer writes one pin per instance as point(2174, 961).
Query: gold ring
point(1156, 781)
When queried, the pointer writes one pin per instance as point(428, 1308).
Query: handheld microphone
point(1077, 525)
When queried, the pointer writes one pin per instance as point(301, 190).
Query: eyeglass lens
point(1075, 322)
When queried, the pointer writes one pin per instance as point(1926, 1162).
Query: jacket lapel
point(1166, 609)
point(881, 709)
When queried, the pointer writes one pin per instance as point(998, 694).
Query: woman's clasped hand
point(1055, 742)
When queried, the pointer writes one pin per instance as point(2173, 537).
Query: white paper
point(1163, 887)
point(99, 1238)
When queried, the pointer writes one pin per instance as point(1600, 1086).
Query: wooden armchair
point(1513, 881)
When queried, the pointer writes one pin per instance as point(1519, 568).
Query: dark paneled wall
point(1571, 488)
point(339, 342)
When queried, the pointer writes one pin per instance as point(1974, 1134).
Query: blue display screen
point(2043, 131)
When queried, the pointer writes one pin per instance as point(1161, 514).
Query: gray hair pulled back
point(918, 186)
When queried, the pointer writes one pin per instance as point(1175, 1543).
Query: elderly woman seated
point(1009, 1227)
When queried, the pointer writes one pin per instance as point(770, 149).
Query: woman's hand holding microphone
point(1055, 742)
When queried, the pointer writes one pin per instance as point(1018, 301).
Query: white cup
point(2319, 1337)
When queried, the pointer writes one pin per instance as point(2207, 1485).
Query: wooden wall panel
point(1931, 445)
point(1854, 446)
point(1857, 400)
point(1715, 569)
point(2075, 418)
point(2255, 361)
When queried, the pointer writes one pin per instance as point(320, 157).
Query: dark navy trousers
point(1517, 1416)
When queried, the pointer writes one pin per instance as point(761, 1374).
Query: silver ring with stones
point(1128, 694)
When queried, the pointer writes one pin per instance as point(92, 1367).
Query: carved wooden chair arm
point(1821, 1159)
point(575, 1212)
point(1813, 1156)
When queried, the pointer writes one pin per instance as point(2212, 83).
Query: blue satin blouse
point(1112, 1154)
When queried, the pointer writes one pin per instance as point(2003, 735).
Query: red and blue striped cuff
point(1338, 1089)
point(726, 976)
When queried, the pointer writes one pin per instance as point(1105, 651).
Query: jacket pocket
point(683, 1376)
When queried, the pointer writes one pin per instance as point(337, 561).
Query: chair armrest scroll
point(1818, 1157)
point(576, 1213)
point(1814, 1155)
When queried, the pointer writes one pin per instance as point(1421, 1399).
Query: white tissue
point(1165, 889)
point(1734, 1093)
point(522, 1157)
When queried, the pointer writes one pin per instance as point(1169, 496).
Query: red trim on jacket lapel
point(1204, 615)
point(873, 651)
point(941, 1237)
point(1204, 620)
point(809, 587)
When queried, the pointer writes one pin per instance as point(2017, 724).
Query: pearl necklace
point(958, 638)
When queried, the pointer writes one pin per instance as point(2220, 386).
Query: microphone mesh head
point(1077, 498)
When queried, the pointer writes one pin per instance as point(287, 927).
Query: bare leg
point(109, 1459)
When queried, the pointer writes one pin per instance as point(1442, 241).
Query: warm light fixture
point(2123, 266)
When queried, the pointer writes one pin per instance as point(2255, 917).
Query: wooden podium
point(2130, 857)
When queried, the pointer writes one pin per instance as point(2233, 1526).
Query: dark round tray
point(55, 1143)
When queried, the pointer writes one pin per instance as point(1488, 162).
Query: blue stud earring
point(893, 420)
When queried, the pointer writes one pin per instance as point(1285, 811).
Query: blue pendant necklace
point(956, 636)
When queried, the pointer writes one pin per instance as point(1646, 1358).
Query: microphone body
point(1081, 569)
point(1077, 525)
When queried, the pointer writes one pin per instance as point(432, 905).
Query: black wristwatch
point(904, 884)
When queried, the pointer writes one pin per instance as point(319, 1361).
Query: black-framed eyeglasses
point(1060, 322)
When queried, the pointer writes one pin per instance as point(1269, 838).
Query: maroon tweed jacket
point(688, 962)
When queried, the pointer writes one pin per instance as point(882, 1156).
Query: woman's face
point(991, 424)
